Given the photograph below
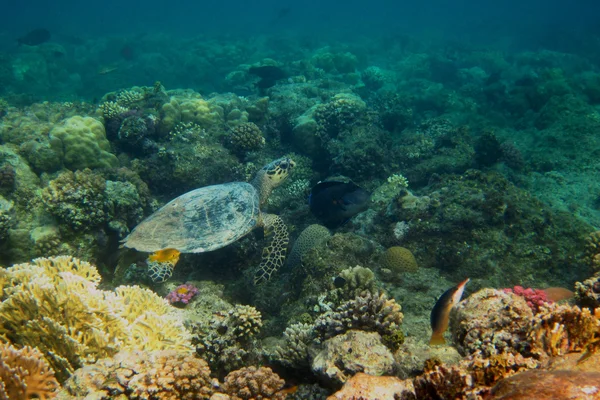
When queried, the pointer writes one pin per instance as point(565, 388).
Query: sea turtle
point(212, 217)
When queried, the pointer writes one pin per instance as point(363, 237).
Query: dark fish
point(339, 282)
point(268, 74)
point(35, 37)
point(334, 202)
point(440, 315)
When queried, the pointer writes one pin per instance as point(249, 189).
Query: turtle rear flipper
point(273, 255)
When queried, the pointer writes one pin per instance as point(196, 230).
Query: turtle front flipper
point(273, 255)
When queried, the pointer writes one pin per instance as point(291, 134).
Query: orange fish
point(170, 256)
point(440, 315)
point(558, 293)
point(289, 390)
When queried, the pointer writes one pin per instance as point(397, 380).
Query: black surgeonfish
point(334, 202)
point(35, 37)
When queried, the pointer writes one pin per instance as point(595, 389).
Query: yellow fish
point(170, 256)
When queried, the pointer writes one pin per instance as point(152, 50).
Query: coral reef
point(399, 260)
point(312, 236)
point(368, 387)
point(592, 250)
point(24, 374)
point(297, 340)
point(254, 383)
point(246, 137)
point(339, 357)
point(80, 323)
point(473, 330)
point(182, 294)
point(83, 143)
point(368, 312)
point(227, 341)
point(158, 375)
point(587, 293)
point(536, 298)
point(77, 199)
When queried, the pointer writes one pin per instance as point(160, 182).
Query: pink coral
point(182, 294)
point(535, 298)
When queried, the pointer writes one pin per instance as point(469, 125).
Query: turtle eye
point(284, 165)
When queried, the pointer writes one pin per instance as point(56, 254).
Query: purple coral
point(535, 297)
point(182, 294)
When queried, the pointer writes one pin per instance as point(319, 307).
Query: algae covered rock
point(343, 356)
point(84, 143)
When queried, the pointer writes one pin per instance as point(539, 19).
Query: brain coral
point(311, 236)
point(55, 304)
point(84, 144)
point(399, 260)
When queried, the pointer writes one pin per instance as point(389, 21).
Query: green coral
point(77, 199)
point(83, 143)
point(312, 236)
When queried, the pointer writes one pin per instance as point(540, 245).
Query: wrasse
point(558, 293)
point(440, 315)
point(170, 256)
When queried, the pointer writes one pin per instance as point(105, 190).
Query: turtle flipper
point(273, 255)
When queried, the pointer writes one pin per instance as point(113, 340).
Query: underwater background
point(426, 143)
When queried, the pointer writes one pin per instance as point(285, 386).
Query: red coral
point(535, 298)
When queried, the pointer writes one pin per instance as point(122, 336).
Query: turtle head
point(272, 175)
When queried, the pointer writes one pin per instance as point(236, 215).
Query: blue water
point(167, 38)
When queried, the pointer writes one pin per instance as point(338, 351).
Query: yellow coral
point(399, 260)
point(55, 304)
point(24, 374)
point(82, 143)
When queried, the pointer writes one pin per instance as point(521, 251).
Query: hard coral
point(312, 236)
point(251, 383)
point(154, 375)
point(535, 298)
point(84, 144)
point(368, 312)
point(399, 260)
point(561, 329)
point(77, 199)
point(592, 250)
point(24, 374)
point(246, 137)
point(587, 293)
point(78, 322)
point(228, 342)
point(491, 321)
point(182, 294)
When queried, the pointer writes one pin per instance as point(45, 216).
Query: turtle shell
point(202, 220)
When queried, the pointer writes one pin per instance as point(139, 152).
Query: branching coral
point(156, 375)
point(472, 378)
point(561, 329)
point(24, 374)
point(251, 383)
point(55, 304)
point(297, 339)
point(368, 312)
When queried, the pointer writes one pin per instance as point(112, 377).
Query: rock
point(342, 356)
point(547, 385)
point(368, 387)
